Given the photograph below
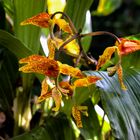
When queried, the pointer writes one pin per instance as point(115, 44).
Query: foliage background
point(124, 21)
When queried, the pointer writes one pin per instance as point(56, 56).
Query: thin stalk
point(84, 54)
point(101, 33)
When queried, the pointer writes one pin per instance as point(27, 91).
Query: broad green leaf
point(55, 6)
point(122, 107)
point(91, 126)
point(13, 44)
point(55, 128)
point(28, 34)
point(86, 29)
point(8, 7)
point(81, 94)
point(106, 7)
point(8, 76)
point(76, 10)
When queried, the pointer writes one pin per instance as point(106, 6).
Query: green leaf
point(9, 7)
point(137, 2)
point(91, 126)
point(13, 44)
point(81, 94)
point(76, 10)
point(29, 35)
point(86, 41)
point(122, 107)
point(106, 7)
point(8, 76)
point(55, 128)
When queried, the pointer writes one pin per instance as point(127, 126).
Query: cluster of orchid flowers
point(70, 44)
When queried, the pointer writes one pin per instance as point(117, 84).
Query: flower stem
point(101, 33)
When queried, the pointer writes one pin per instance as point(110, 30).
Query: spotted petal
point(32, 58)
point(120, 76)
point(56, 95)
point(77, 116)
point(105, 56)
point(41, 65)
point(76, 113)
point(41, 20)
point(86, 81)
point(69, 70)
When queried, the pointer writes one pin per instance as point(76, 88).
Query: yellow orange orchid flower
point(44, 20)
point(40, 64)
point(128, 46)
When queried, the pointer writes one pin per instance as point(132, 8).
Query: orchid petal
point(41, 20)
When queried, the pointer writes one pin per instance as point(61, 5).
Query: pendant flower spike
point(52, 68)
point(125, 47)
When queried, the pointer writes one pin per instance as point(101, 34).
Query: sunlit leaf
point(56, 95)
point(72, 48)
point(128, 46)
point(41, 20)
point(105, 56)
point(76, 9)
point(55, 6)
point(69, 70)
point(40, 64)
point(106, 7)
point(63, 25)
point(86, 81)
